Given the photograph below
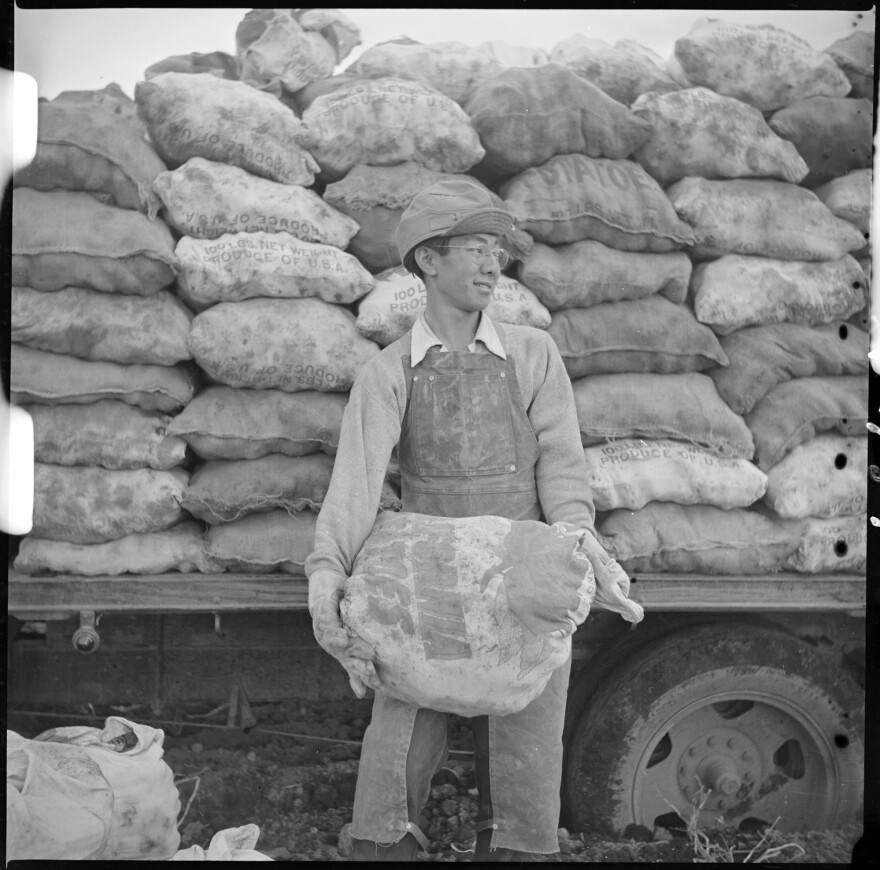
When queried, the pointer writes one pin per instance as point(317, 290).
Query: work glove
point(353, 653)
point(612, 582)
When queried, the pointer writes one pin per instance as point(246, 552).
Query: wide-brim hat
point(449, 208)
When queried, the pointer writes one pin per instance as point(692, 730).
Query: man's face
point(464, 280)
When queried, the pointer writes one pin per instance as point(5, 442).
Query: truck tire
point(759, 719)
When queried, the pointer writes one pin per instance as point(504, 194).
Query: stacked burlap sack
point(99, 354)
point(738, 444)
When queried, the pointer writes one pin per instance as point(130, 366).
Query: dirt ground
point(299, 791)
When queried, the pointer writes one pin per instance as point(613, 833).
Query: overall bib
point(466, 449)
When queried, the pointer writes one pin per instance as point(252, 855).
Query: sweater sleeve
point(561, 473)
point(370, 430)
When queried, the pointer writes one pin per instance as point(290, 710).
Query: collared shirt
point(423, 339)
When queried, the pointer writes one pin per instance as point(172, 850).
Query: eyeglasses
point(480, 253)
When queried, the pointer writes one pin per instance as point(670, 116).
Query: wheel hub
point(724, 762)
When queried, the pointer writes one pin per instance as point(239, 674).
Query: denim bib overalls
point(466, 449)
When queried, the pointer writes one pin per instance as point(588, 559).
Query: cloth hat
point(449, 208)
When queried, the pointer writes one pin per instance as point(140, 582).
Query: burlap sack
point(202, 115)
point(226, 423)
point(832, 134)
point(218, 63)
point(797, 410)
point(108, 433)
point(88, 147)
point(40, 377)
point(285, 344)
point(387, 121)
point(147, 330)
point(762, 65)
point(112, 98)
point(701, 133)
point(763, 218)
point(223, 490)
point(513, 55)
point(399, 297)
point(823, 477)
point(88, 505)
point(264, 543)
point(525, 116)
point(683, 407)
point(304, 97)
point(854, 54)
point(624, 70)
point(762, 356)
point(239, 266)
point(699, 539)
point(630, 473)
point(581, 274)
point(67, 238)
point(832, 546)
point(737, 291)
point(375, 196)
point(850, 198)
point(573, 197)
point(181, 548)
point(441, 600)
point(640, 335)
point(454, 69)
point(206, 199)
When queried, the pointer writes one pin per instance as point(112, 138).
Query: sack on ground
point(697, 132)
point(206, 199)
point(454, 69)
point(243, 265)
point(761, 218)
point(375, 197)
point(639, 335)
point(832, 134)
point(285, 344)
point(68, 238)
point(88, 505)
point(108, 433)
point(573, 197)
point(146, 804)
point(630, 473)
point(264, 543)
point(850, 198)
point(526, 116)
point(37, 376)
point(854, 54)
point(224, 490)
point(699, 539)
point(762, 65)
point(832, 546)
point(181, 548)
point(624, 71)
point(585, 273)
point(683, 407)
point(762, 356)
point(736, 291)
point(228, 423)
point(795, 411)
point(387, 121)
point(119, 328)
point(451, 608)
point(399, 297)
point(823, 477)
point(218, 63)
point(90, 148)
point(202, 115)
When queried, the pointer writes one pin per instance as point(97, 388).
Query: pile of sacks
point(695, 242)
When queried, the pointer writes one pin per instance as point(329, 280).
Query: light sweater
point(371, 428)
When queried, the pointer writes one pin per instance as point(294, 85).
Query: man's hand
point(612, 582)
point(354, 654)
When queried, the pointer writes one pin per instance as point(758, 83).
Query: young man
point(483, 419)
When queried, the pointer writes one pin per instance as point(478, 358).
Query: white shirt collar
point(423, 339)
